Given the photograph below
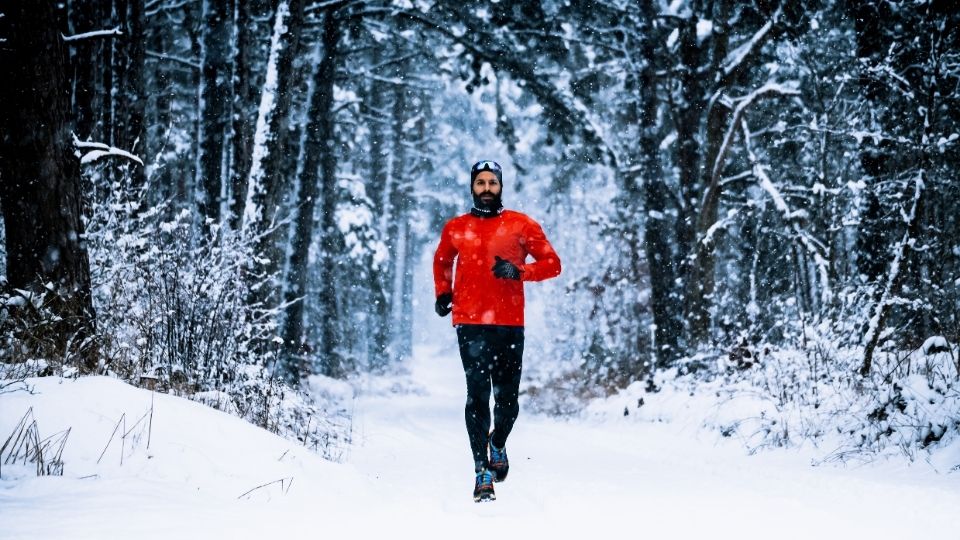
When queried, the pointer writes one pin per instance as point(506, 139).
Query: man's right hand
point(443, 306)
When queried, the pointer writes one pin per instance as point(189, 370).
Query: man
point(490, 246)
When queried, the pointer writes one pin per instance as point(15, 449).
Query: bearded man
point(489, 247)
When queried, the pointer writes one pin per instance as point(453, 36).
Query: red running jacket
point(475, 242)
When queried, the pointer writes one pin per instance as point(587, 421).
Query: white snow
point(673, 37)
point(704, 29)
point(935, 343)
point(209, 475)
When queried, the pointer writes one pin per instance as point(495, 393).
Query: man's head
point(486, 186)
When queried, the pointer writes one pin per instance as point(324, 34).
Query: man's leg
point(476, 355)
point(506, 381)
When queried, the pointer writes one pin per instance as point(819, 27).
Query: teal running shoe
point(483, 490)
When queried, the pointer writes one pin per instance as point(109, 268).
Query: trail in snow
point(573, 477)
point(409, 474)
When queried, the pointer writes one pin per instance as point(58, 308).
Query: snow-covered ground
point(409, 475)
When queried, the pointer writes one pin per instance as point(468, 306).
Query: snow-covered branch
point(738, 55)
point(767, 89)
point(164, 56)
point(809, 243)
point(554, 96)
point(324, 5)
point(721, 224)
point(99, 150)
point(95, 34)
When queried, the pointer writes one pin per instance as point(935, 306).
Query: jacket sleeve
point(547, 262)
point(443, 262)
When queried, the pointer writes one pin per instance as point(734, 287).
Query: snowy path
point(409, 475)
point(570, 479)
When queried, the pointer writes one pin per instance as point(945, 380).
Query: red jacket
point(475, 242)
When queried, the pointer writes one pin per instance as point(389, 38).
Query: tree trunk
point(381, 186)
point(86, 66)
point(107, 93)
point(319, 170)
point(187, 177)
point(403, 340)
point(244, 104)
point(132, 102)
point(666, 312)
point(272, 139)
point(398, 229)
point(213, 105)
point(630, 177)
point(159, 116)
point(332, 365)
point(700, 278)
point(130, 99)
point(872, 44)
point(40, 176)
point(688, 163)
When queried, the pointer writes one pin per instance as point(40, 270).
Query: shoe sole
point(485, 497)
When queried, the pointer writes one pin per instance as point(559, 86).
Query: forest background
point(223, 198)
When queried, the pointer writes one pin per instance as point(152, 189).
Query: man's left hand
point(505, 269)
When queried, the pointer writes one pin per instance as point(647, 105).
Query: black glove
point(443, 304)
point(505, 269)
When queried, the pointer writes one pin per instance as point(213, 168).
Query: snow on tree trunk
point(253, 212)
point(268, 182)
point(244, 94)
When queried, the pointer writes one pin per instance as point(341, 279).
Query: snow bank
point(789, 398)
point(140, 464)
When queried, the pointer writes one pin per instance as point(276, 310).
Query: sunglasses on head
point(486, 166)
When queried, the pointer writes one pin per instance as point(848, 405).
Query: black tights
point(490, 354)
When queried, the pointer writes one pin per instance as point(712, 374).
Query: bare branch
point(809, 243)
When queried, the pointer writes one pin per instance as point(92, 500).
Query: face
point(486, 186)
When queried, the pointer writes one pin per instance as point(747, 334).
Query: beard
point(492, 205)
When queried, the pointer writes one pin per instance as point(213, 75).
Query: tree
point(40, 177)
point(915, 123)
point(214, 105)
point(318, 181)
point(268, 181)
